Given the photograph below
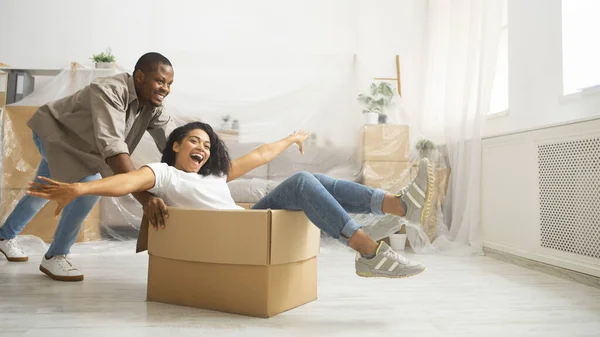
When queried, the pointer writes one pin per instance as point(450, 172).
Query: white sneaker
point(60, 269)
point(387, 263)
point(12, 251)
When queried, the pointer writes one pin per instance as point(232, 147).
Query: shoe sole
point(61, 278)
point(372, 275)
point(430, 186)
point(15, 259)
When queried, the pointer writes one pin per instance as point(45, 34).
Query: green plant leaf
point(104, 56)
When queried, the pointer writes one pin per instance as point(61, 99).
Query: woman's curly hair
point(218, 163)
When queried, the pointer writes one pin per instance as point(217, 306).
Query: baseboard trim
point(575, 276)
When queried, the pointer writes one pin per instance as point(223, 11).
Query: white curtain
point(258, 96)
point(460, 49)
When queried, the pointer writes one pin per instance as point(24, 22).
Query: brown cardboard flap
point(213, 236)
point(142, 241)
point(293, 237)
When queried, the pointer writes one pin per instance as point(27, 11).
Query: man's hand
point(156, 211)
point(154, 207)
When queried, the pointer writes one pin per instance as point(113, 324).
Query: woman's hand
point(61, 193)
point(299, 137)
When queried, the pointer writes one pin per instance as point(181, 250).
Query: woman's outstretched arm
point(265, 153)
point(115, 186)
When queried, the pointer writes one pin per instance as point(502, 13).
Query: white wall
point(535, 71)
point(251, 52)
point(51, 34)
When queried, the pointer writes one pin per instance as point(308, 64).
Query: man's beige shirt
point(104, 119)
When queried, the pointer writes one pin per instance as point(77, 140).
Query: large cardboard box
point(385, 142)
point(44, 224)
point(251, 262)
point(20, 156)
point(390, 176)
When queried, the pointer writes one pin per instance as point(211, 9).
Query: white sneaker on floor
point(387, 263)
point(60, 269)
point(12, 251)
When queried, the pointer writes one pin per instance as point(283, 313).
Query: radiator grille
point(569, 188)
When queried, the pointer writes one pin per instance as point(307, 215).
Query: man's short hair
point(149, 62)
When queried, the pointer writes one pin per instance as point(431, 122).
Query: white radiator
point(541, 195)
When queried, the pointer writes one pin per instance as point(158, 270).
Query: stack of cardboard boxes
point(20, 159)
point(384, 154)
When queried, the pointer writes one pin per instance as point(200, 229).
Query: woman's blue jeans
point(326, 202)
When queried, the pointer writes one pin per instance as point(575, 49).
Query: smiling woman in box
point(196, 167)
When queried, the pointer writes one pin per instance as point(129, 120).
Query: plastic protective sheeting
point(249, 102)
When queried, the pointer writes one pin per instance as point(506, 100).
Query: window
point(581, 51)
point(499, 99)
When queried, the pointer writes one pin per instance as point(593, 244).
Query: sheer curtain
point(459, 55)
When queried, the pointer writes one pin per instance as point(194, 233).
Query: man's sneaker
point(12, 251)
point(418, 194)
point(60, 269)
point(387, 263)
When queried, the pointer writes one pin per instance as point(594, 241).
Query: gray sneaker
point(383, 228)
point(387, 263)
point(418, 194)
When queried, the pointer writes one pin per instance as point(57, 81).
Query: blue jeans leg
point(355, 198)
point(304, 191)
point(71, 221)
point(28, 206)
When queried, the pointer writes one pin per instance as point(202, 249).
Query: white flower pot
point(371, 118)
point(104, 65)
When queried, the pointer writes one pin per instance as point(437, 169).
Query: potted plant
point(104, 60)
point(225, 124)
point(426, 148)
point(379, 97)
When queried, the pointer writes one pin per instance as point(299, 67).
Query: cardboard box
point(20, 155)
point(251, 262)
point(3, 87)
point(44, 224)
point(385, 142)
point(390, 176)
point(246, 205)
point(16, 117)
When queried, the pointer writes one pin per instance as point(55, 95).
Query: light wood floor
point(455, 296)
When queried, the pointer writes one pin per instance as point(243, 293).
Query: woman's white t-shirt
point(191, 190)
